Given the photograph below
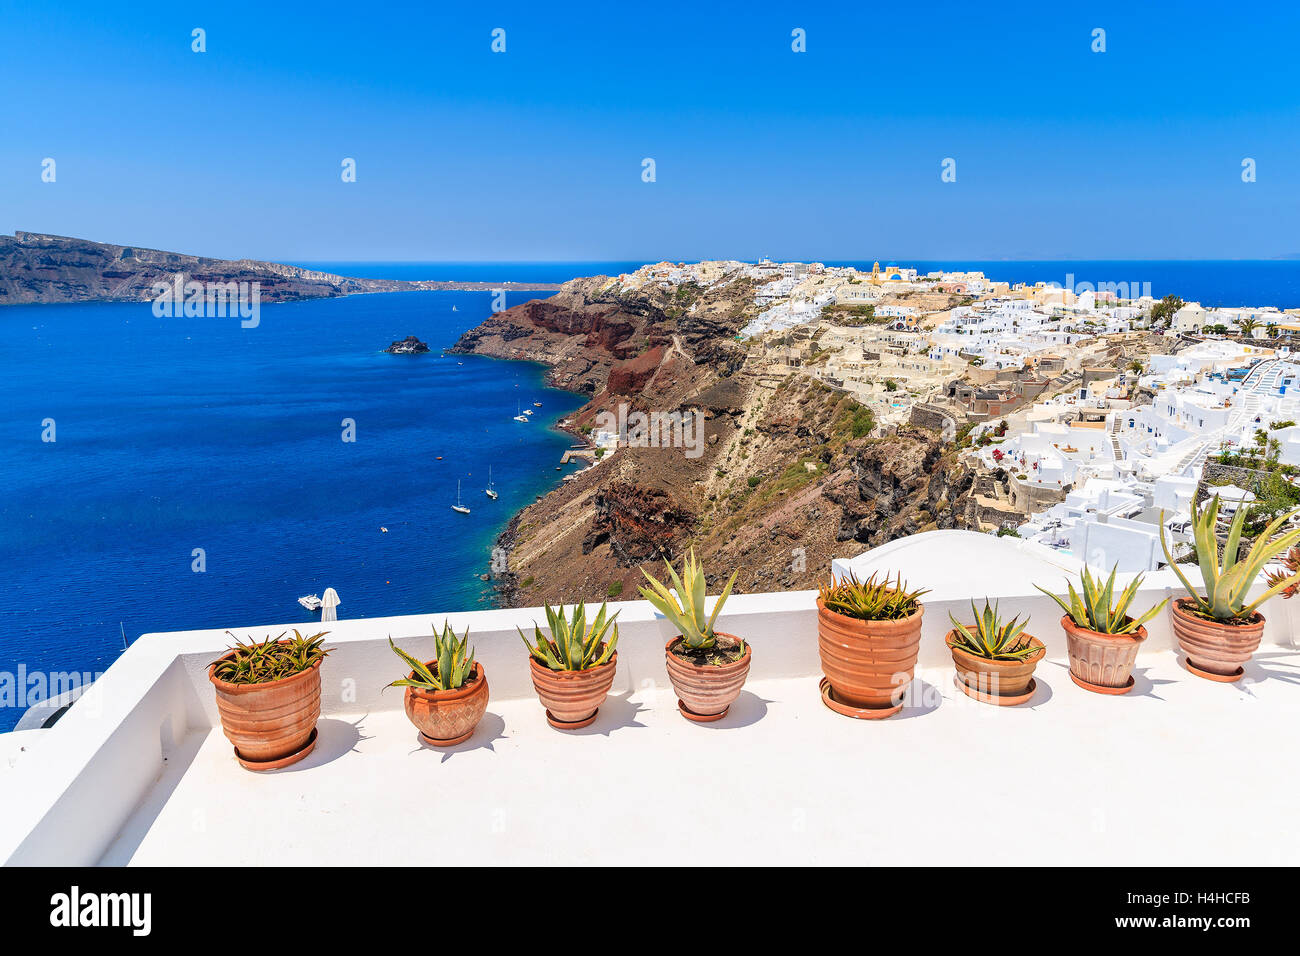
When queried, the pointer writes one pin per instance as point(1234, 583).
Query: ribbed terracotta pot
point(271, 725)
point(571, 698)
point(1102, 663)
point(996, 682)
point(704, 692)
point(867, 663)
point(448, 717)
point(1215, 651)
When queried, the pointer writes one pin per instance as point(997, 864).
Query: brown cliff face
point(783, 477)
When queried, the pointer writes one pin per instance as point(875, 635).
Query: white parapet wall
point(68, 795)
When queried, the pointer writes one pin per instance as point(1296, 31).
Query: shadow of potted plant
point(868, 637)
point(268, 698)
point(1219, 631)
point(995, 660)
point(447, 696)
point(573, 669)
point(706, 667)
point(1101, 638)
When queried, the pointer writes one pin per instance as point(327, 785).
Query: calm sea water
point(181, 434)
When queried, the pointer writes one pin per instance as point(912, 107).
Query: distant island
point(408, 346)
point(38, 269)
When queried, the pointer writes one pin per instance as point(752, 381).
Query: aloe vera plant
point(1094, 611)
point(683, 604)
point(1228, 580)
point(574, 645)
point(261, 662)
point(992, 638)
point(454, 662)
point(870, 600)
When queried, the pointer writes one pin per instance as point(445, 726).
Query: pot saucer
point(700, 718)
point(571, 725)
point(447, 743)
point(279, 762)
point(1099, 689)
point(1210, 675)
point(861, 713)
point(1001, 700)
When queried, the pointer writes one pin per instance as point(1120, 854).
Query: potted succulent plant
point(268, 697)
point(574, 668)
point(995, 659)
point(1101, 638)
point(868, 636)
point(445, 697)
point(706, 667)
point(1219, 631)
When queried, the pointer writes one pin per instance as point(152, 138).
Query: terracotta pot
point(448, 717)
point(1214, 650)
point(868, 664)
point(271, 725)
point(996, 682)
point(705, 692)
point(1102, 663)
point(571, 698)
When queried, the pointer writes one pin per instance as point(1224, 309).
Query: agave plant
point(683, 604)
point(870, 600)
point(574, 645)
point(261, 662)
point(454, 662)
point(1228, 580)
point(992, 638)
point(1093, 609)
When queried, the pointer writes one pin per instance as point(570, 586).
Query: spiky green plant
point(1094, 611)
point(275, 658)
point(453, 662)
point(991, 637)
point(574, 645)
point(1227, 580)
point(870, 600)
point(683, 604)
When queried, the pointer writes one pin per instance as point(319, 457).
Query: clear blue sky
point(536, 153)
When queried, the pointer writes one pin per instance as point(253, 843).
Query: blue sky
point(535, 154)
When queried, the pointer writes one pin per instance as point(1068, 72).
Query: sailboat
point(458, 506)
point(489, 490)
point(521, 417)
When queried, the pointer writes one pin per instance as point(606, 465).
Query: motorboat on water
point(311, 602)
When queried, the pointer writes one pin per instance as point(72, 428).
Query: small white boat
point(521, 417)
point(489, 490)
point(453, 308)
point(311, 602)
point(528, 411)
point(537, 404)
point(383, 529)
point(458, 506)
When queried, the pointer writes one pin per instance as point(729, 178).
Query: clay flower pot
point(571, 698)
point(271, 725)
point(1005, 683)
point(1215, 650)
point(1101, 663)
point(448, 717)
point(867, 664)
point(705, 692)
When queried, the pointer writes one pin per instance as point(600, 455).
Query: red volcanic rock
point(630, 377)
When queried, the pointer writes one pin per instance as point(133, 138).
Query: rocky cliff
point(784, 474)
point(37, 268)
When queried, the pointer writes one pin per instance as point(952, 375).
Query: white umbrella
point(327, 605)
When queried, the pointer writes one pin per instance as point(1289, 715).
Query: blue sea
point(177, 435)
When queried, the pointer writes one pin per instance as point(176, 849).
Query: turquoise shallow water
point(177, 434)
